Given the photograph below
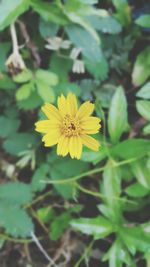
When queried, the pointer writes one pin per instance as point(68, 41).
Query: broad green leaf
point(141, 70)
point(98, 227)
point(111, 189)
point(61, 66)
point(65, 168)
point(106, 24)
point(141, 172)
point(45, 91)
point(98, 69)
point(24, 91)
point(47, 77)
point(15, 220)
point(65, 88)
point(6, 83)
point(143, 21)
point(24, 76)
point(131, 148)
point(15, 193)
point(143, 107)
point(10, 10)
point(49, 12)
point(48, 29)
point(117, 117)
point(81, 39)
point(8, 126)
point(20, 142)
point(39, 175)
point(4, 49)
point(146, 129)
point(144, 92)
point(136, 190)
point(123, 11)
point(59, 225)
point(32, 102)
point(104, 94)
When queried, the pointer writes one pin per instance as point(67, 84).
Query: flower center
point(70, 126)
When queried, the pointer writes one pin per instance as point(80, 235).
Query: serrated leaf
point(117, 117)
point(81, 39)
point(16, 193)
point(39, 175)
point(98, 69)
point(47, 77)
point(98, 227)
point(11, 126)
point(131, 148)
point(19, 142)
point(24, 91)
point(143, 21)
point(24, 76)
point(143, 107)
point(144, 92)
point(59, 225)
point(15, 220)
point(45, 91)
point(32, 102)
point(10, 10)
point(141, 70)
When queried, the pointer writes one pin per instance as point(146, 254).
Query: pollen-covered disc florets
point(69, 126)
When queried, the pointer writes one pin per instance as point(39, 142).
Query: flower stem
point(14, 38)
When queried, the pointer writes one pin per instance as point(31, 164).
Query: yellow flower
point(69, 126)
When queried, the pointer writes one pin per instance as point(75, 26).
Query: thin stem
point(87, 250)
point(17, 240)
point(14, 38)
point(88, 173)
point(40, 198)
point(34, 238)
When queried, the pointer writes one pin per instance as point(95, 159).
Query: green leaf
point(143, 21)
point(45, 91)
point(61, 66)
point(98, 69)
point(39, 174)
point(98, 227)
point(46, 214)
point(47, 77)
point(63, 168)
point(15, 221)
point(143, 107)
point(10, 10)
point(146, 129)
point(131, 237)
point(15, 193)
point(47, 29)
point(105, 24)
point(104, 94)
point(117, 117)
point(123, 11)
point(59, 225)
point(19, 142)
point(49, 12)
point(144, 92)
point(4, 49)
point(136, 190)
point(24, 76)
point(141, 70)
point(11, 126)
point(131, 148)
point(24, 91)
point(32, 102)
point(6, 83)
point(81, 38)
point(141, 172)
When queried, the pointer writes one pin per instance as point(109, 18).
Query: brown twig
point(31, 46)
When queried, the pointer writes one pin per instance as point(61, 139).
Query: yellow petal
point(46, 125)
point(91, 125)
point(75, 147)
point(85, 110)
point(90, 142)
point(51, 138)
point(51, 112)
point(63, 146)
point(72, 104)
point(62, 104)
